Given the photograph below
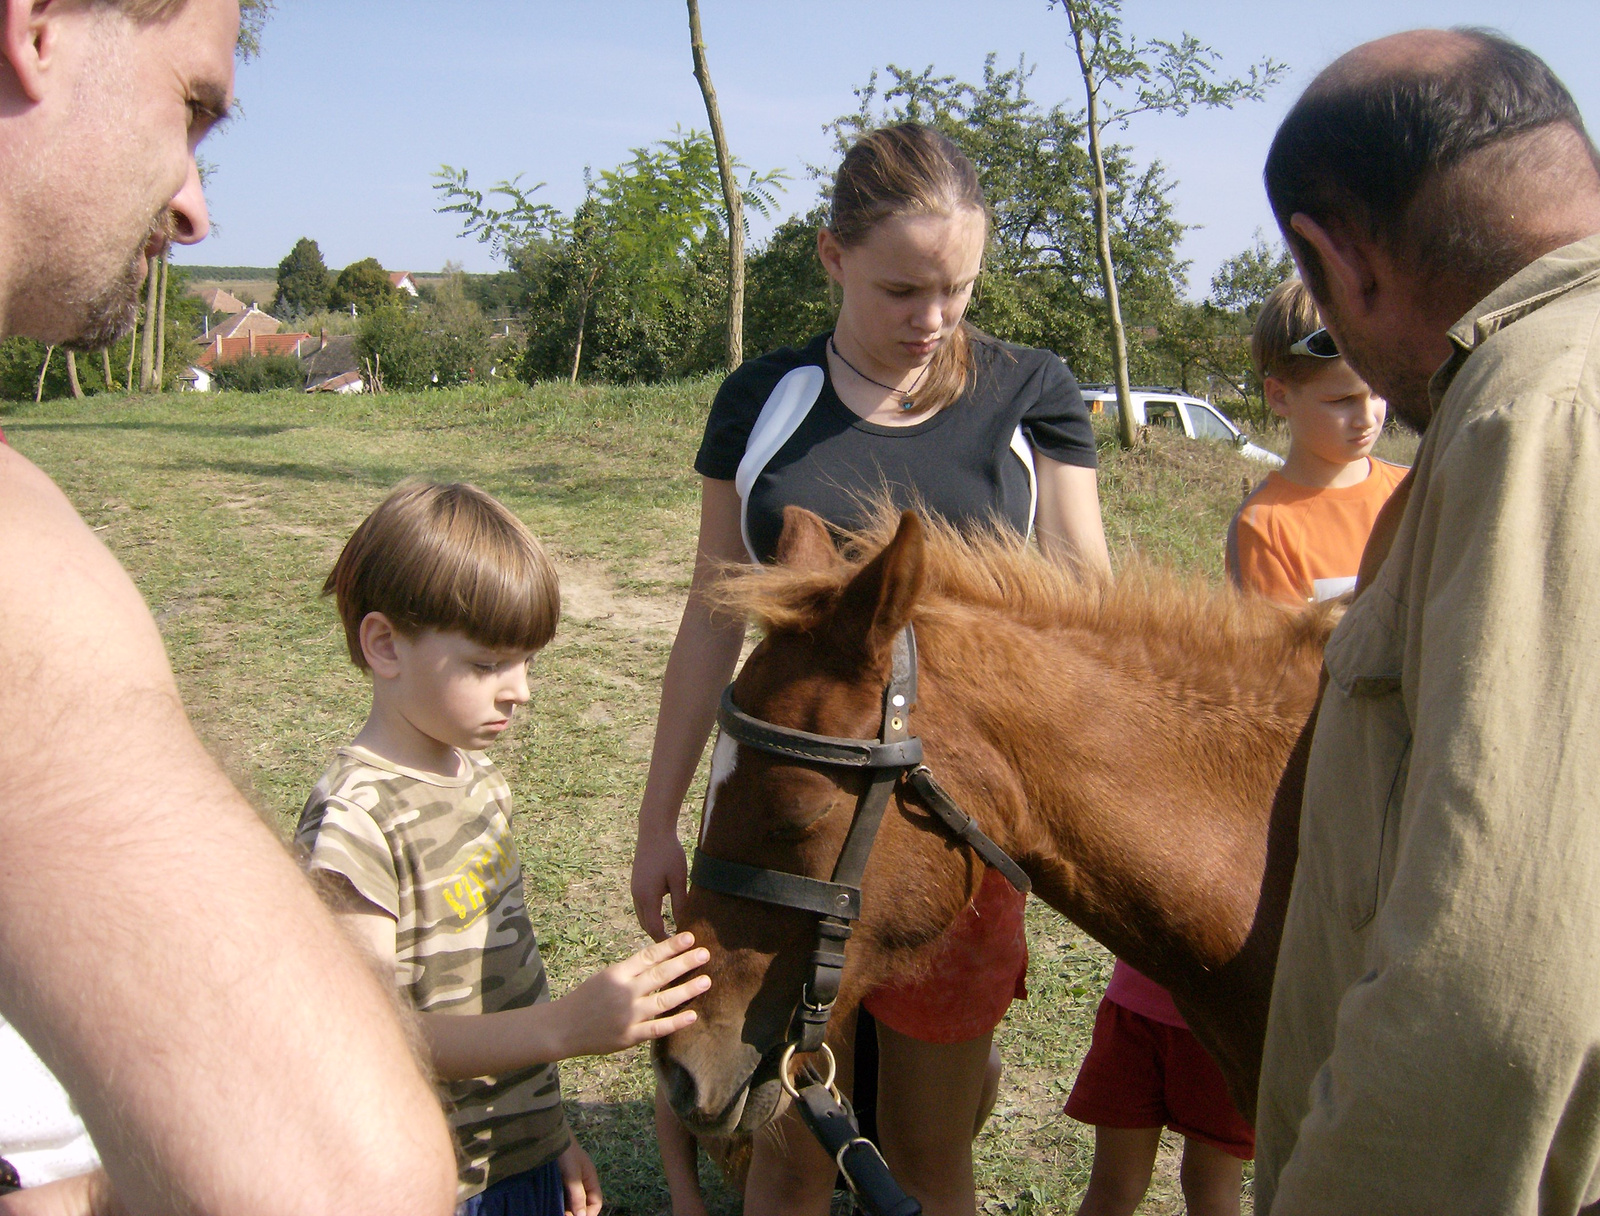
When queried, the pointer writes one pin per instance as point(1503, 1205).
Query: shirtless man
point(158, 948)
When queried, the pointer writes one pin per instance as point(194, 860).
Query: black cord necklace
point(906, 403)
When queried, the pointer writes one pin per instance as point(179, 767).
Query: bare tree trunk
point(730, 192)
point(72, 375)
point(583, 320)
point(161, 329)
point(38, 389)
point(147, 352)
point(1127, 430)
point(105, 367)
point(577, 349)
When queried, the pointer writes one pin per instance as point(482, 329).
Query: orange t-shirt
point(1298, 544)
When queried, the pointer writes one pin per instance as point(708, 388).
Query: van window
point(1207, 425)
point(1162, 413)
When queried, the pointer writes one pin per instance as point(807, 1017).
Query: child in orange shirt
point(1299, 536)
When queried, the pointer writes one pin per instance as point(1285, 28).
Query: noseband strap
point(894, 755)
point(776, 887)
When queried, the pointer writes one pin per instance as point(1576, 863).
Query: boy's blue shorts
point(536, 1192)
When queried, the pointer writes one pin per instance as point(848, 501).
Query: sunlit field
point(229, 510)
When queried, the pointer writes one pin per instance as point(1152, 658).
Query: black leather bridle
point(894, 756)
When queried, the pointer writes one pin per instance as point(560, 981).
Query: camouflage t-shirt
point(436, 854)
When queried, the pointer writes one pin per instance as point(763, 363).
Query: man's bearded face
point(104, 175)
point(109, 313)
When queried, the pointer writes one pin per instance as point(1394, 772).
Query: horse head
point(822, 668)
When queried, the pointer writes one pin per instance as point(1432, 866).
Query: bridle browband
point(894, 756)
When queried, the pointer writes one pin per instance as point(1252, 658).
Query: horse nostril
point(680, 1086)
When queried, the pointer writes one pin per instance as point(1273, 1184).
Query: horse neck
point(1134, 790)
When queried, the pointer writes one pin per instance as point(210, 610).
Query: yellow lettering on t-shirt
point(478, 881)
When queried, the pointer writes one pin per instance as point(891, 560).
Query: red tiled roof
point(229, 350)
point(252, 320)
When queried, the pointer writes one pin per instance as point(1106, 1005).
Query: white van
point(1169, 408)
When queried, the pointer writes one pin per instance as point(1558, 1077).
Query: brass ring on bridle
point(789, 1086)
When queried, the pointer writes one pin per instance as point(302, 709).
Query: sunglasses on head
point(1319, 345)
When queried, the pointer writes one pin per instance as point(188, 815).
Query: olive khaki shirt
point(1433, 1044)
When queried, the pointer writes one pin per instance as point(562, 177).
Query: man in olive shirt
point(158, 949)
point(1434, 1037)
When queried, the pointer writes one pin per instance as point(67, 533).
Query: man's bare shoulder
point(68, 605)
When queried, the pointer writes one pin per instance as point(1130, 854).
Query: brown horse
point(1123, 741)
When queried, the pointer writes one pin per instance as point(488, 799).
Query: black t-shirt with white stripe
point(958, 462)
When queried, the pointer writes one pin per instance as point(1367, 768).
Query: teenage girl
point(902, 396)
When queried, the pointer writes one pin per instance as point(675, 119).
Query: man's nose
point(190, 219)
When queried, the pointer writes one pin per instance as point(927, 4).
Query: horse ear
point(877, 602)
point(805, 542)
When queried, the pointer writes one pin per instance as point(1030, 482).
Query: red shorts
point(979, 967)
point(1144, 1073)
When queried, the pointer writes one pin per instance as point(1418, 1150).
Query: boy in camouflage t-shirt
point(445, 598)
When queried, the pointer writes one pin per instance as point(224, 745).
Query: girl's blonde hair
point(910, 169)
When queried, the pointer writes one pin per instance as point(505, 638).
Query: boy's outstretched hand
point(630, 1002)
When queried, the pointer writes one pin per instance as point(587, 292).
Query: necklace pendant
point(907, 404)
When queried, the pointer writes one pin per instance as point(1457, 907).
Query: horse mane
point(1179, 628)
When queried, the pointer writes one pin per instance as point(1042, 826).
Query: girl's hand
point(660, 871)
point(629, 1002)
point(580, 1181)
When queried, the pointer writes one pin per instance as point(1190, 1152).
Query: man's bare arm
point(228, 1050)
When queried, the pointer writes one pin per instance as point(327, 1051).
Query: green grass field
point(229, 510)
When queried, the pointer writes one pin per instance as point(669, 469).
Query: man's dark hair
point(1360, 149)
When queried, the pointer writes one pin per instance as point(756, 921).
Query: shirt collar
point(1525, 292)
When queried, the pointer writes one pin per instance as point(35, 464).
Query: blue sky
point(354, 104)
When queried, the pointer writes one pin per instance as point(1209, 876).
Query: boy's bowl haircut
point(446, 557)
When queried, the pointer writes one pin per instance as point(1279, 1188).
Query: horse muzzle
point(731, 1096)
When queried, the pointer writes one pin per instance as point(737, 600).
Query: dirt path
point(588, 593)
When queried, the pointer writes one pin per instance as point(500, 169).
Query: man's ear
point(1347, 269)
point(28, 42)
point(378, 636)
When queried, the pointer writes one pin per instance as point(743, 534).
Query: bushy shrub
point(259, 374)
point(433, 345)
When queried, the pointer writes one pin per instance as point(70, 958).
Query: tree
point(730, 191)
point(253, 16)
point(788, 290)
point(1213, 337)
point(303, 281)
point(1165, 78)
point(1243, 282)
point(363, 286)
point(629, 263)
point(438, 343)
point(161, 323)
point(147, 352)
